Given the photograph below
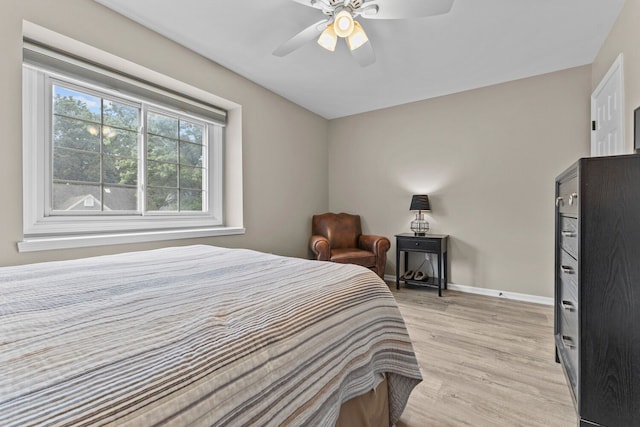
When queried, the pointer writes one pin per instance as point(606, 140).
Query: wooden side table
point(430, 243)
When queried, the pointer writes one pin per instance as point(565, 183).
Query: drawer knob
point(566, 269)
point(558, 201)
point(572, 197)
point(417, 243)
point(568, 342)
point(568, 305)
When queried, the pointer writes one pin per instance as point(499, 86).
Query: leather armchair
point(339, 238)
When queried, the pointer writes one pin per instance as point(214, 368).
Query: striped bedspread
point(196, 335)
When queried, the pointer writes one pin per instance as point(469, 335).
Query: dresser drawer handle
point(417, 243)
point(572, 197)
point(567, 270)
point(558, 201)
point(568, 233)
point(568, 342)
point(568, 305)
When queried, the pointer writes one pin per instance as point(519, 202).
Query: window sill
point(34, 244)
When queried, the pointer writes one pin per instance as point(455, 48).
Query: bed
point(198, 335)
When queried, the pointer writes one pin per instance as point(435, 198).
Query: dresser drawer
point(568, 272)
point(569, 235)
point(421, 244)
point(569, 295)
point(569, 345)
point(567, 200)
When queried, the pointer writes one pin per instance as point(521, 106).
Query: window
point(97, 167)
point(95, 145)
point(107, 154)
point(174, 163)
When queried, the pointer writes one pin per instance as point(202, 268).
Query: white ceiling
point(479, 43)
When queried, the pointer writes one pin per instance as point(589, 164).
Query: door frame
point(617, 68)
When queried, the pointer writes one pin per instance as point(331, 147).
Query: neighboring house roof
point(78, 198)
point(87, 202)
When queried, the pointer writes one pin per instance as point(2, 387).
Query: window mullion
point(47, 102)
point(178, 169)
point(102, 172)
point(206, 165)
point(142, 161)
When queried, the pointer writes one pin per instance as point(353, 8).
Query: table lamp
point(420, 203)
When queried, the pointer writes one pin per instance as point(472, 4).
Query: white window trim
point(35, 241)
point(79, 241)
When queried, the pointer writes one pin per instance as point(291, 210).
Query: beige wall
point(279, 137)
point(624, 38)
point(486, 157)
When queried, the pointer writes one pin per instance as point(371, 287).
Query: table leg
point(406, 262)
point(397, 268)
point(446, 276)
point(439, 274)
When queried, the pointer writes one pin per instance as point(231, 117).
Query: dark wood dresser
point(597, 288)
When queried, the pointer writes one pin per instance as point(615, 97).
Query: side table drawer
point(419, 245)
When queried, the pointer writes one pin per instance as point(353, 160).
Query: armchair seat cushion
point(353, 256)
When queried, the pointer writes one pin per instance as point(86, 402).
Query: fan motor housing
point(352, 5)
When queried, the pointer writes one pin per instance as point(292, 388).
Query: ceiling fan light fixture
point(358, 37)
point(343, 24)
point(328, 39)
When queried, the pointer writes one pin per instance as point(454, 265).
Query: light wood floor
point(485, 362)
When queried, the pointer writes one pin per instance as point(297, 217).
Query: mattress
point(196, 335)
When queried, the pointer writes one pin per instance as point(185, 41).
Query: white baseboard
point(491, 292)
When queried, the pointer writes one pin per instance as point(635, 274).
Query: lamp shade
point(358, 37)
point(328, 39)
point(420, 202)
point(343, 24)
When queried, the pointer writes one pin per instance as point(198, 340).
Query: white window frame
point(44, 232)
point(46, 145)
point(212, 140)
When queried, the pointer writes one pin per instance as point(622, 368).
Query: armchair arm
point(320, 247)
point(379, 245)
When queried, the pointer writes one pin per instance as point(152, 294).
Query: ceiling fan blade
point(364, 55)
point(317, 4)
point(403, 9)
point(304, 36)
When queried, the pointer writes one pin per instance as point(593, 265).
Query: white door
point(607, 113)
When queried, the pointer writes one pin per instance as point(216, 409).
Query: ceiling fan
point(341, 22)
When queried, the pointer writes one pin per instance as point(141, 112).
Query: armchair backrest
point(343, 230)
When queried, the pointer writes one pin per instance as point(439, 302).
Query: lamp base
point(419, 225)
